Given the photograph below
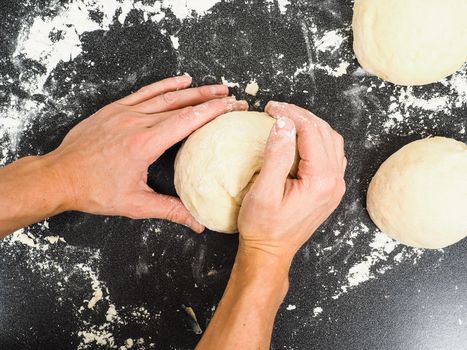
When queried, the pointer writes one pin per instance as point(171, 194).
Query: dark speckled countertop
point(78, 281)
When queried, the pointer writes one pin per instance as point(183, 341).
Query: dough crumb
point(252, 88)
point(129, 343)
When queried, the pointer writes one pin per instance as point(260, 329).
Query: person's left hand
point(101, 165)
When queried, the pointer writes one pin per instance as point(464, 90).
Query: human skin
point(101, 166)
point(277, 216)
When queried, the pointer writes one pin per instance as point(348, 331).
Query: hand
point(102, 163)
point(279, 214)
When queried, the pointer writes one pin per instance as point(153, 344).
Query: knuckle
point(204, 92)
point(308, 114)
point(187, 113)
point(324, 124)
point(169, 98)
point(281, 107)
point(143, 90)
point(174, 214)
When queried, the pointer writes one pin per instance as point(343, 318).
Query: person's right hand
point(279, 214)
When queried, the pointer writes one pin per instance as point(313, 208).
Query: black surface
point(162, 267)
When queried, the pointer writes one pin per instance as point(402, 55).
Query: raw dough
point(410, 42)
point(419, 195)
point(252, 88)
point(217, 165)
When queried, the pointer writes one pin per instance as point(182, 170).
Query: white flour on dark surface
point(352, 255)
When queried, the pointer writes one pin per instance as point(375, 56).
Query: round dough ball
point(217, 165)
point(419, 195)
point(410, 42)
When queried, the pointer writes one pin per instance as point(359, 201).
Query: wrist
point(258, 269)
point(277, 255)
point(60, 190)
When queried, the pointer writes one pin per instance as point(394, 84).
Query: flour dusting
point(352, 254)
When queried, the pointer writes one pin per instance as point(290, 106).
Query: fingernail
point(218, 90)
point(240, 106)
point(200, 230)
point(183, 78)
point(231, 100)
point(277, 104)
point(272, 103)
point(194, 225)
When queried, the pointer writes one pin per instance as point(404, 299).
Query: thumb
point(168, 208)
point(279, 156)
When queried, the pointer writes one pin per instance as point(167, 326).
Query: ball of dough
point(419, 195)
point(410, 42)
point(217, 164)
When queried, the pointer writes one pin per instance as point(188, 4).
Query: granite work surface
point(78, 281)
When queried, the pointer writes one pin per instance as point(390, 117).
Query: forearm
point(245, 316)
point(30, 192)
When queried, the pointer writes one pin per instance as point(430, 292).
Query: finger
point(174, 129)
point(310, 143)
point(155, 89)
point(344, 166)
point(330, 147)
point(178, 99)
point(279, 156)
point(159, 206)
point(340, 151)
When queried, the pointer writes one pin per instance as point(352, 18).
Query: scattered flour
point(291, 307)
point(185, 8)
point(324, 45)
point(378, 261)
point(35, 43)
point(228, 83)
point(283, 5)
point(21, 237)
point(330, 41)
point(175, 42)
point(317, 311)
point(111, 313)
point(54, 239)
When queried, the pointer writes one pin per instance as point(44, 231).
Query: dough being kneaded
point(217, 164)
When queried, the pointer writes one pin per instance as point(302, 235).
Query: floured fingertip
point(284, 127)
